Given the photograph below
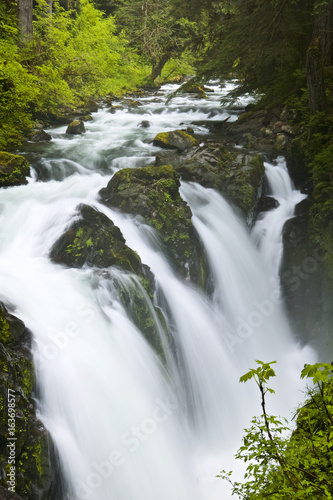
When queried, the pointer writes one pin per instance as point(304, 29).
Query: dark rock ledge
point(35, 461)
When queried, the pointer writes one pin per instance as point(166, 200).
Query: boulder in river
point(40, 136)
point(96, 241)
point(193, 88)
point(76, 128)
point(13, 169)
point(177, 139)
point(153, 193)
point(145, 124)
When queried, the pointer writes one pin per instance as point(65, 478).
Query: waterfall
point(268, 229)
point(126, 425)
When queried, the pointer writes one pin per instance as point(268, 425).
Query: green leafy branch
point(298, 465)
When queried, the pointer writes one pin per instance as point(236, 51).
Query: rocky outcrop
point(95, 241)
point(177, 139)
point(306, 283)
point(239, 177)
point(34, 456)
point(153, 193)
point(13, 170)
point(269, 130)
point(76, 128)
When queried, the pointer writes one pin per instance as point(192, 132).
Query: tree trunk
point(25, 20)
point(319, 54)
point(315, 77)
point(324, 29)
point(159, 65)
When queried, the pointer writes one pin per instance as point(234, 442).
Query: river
point(127, 426)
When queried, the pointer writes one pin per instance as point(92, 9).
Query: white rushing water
point(127, 427)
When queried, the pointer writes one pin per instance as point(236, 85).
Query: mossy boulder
point(76, 127)
point(193, 88)
point(239, 177)
point(153, 193)
point(95, 241)
point(34, 453)
point(13, 169)
point(177, 139)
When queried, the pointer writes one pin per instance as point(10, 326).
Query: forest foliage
point(80, 48)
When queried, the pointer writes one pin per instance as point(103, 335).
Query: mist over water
point(128, 427)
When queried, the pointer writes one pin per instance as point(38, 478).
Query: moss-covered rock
point(34, 456)
point(136, 297)
point(153, 193)
point(237, 176)
point(13, 169)
point(177, 139)
point(192, 88)
point(94, 240)
point(76, 127)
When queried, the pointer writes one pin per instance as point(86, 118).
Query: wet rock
point(76, 127)
point(177, 139)
point(153, 193)
point(13, 170)
point(267, 203)
point(41, 136)
point(131, 103)
point(95, 240)
point(237, 176)
point(192, 88)
point(113, 109)
point(266, 130)
point(35, 465)
point(145, 124)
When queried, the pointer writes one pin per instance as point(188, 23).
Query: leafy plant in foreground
point(298, 465)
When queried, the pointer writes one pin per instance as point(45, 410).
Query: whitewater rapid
point(127, 426)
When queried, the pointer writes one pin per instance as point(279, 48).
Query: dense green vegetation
point(297, 465)
point(73, 55)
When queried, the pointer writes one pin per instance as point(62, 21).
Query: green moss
point(13, 169)
point(163, 137)
point(78, 244)
point(176, 139)
point(187, 136)
point(4, 330)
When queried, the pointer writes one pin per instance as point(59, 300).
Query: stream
point(126, 425)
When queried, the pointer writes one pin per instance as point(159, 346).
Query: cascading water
point(127, 427)
point(267, 232)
